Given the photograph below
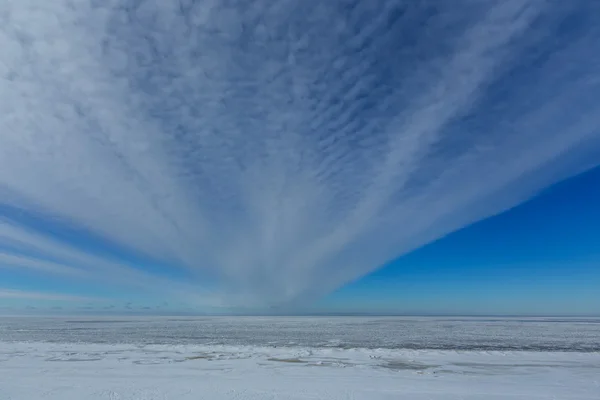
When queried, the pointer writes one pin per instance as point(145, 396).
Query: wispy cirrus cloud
point(48, 256)
point(281, 149)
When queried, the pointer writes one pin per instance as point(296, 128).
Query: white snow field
point(78, 371)
point(293, 358)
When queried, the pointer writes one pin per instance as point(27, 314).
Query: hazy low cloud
point(279, 150)
point(21, 294)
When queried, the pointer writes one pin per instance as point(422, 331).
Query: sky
point(388, 156)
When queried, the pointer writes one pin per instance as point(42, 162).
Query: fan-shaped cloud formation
point(280, 149)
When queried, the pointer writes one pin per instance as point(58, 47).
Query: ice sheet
point(448, 333)
point(71, 371)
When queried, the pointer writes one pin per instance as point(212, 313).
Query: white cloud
point(18, 261)
point(260, 146)
point(20, 294)
point(73, 263)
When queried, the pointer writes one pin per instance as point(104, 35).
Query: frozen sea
point(299, 358)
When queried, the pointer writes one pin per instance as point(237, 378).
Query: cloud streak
point(280, 150)
point(20, 294)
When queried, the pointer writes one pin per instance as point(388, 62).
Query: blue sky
point(380, 157)
point(539, 258)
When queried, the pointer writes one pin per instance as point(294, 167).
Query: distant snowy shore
point(65, 371)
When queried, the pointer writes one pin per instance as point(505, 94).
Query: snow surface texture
point(111, 372)
point(298, 358)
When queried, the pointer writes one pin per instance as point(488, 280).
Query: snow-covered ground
point(71, 371)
